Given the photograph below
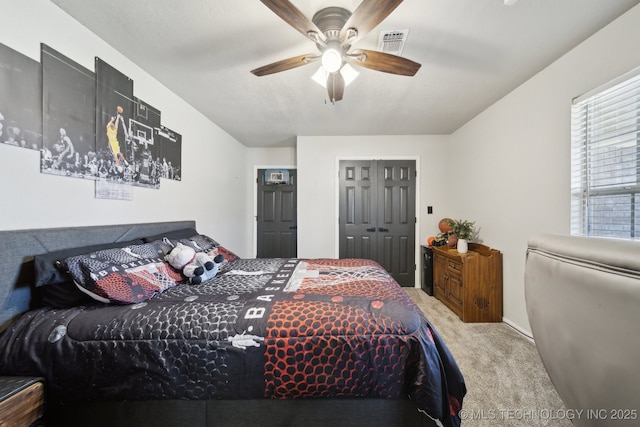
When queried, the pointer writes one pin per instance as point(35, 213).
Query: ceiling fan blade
point(292, 16)
point(384, 62)
point(285, 64)
point(335, 86)
point(367, 16)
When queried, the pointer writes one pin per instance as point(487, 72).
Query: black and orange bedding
point(262, 328)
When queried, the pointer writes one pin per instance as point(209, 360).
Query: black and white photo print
point(68, 108)
point(20, 100)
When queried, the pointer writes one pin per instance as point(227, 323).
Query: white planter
point(463, 246)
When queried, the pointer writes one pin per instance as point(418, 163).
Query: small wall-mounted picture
point(276, 176)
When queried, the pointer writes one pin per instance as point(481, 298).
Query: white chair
point(583, 302)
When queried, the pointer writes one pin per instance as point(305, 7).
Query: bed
point(266, 341)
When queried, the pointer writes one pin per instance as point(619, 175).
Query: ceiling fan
point(334, 30)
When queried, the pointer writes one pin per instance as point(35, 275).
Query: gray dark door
point(377, 214)
point(277, 217)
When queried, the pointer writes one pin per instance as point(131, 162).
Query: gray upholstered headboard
point(18, 247)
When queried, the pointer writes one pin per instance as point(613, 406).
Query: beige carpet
point(507, 384)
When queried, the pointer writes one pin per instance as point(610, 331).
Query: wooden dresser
point(469, 284)
point(21, 401)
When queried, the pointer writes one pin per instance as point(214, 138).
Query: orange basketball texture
point(119, 110)
point(444, 226)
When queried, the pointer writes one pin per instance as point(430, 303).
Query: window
point(605, 160)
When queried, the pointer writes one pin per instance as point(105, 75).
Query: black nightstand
point(427, 269)
point(21, 401)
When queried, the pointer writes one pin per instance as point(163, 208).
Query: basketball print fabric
point(123, 275)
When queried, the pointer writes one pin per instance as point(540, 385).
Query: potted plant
point(464, 230)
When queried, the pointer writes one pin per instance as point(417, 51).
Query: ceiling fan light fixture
point(320, 76)
point(349, 74)
point(331, 59)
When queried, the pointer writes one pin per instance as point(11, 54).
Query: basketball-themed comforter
point(264, 328)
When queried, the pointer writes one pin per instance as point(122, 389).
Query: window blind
point(605, 159)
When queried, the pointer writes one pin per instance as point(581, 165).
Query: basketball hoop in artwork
point(276, 176)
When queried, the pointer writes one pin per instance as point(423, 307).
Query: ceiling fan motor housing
point(330, 21)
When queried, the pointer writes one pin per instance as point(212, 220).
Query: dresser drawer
point(454, 266)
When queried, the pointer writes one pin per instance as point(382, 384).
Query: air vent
point(392, 41)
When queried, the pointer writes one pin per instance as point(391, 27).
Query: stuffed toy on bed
point(198, 267)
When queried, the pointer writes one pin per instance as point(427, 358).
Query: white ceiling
point(473, 52)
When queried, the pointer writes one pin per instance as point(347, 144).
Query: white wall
point(213, 162)
point(514, 158)
point(317, 159)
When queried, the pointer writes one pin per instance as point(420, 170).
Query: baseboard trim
point(518, 329)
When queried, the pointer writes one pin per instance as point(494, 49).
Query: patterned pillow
point(226, 253)
point(202, 243)
point(174, 234)
point(55, 287)
point(124, 275)
point(45, 264)
point(199, 242)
